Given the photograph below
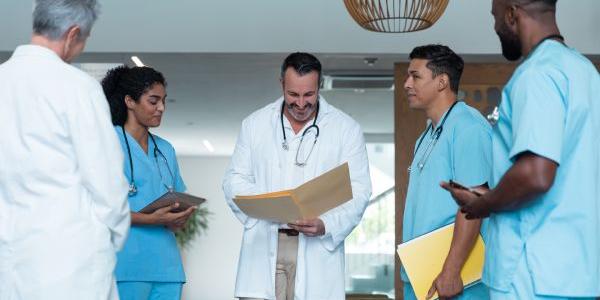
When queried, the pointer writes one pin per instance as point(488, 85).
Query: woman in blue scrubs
point(149, 265)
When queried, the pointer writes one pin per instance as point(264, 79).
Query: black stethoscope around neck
point(285, 145)
point(434, 139)
point(132, 186)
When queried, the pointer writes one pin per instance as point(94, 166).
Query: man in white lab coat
point(276, 150)
point(63, 206)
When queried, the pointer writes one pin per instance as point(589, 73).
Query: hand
point(312, 227)
point(180, 221)
point(164, 216)
point(447, 284)
point(474, 206)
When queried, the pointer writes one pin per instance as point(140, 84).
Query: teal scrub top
point(463, 154)
point(550, 107)
point(150, 252)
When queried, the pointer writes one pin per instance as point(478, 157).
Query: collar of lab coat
point(35, 50)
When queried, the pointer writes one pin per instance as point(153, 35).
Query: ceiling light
point(137, 61)
point(208, 146)
point(395, 15)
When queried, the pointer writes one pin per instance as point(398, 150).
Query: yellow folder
point(423, 258)
point(309, 200)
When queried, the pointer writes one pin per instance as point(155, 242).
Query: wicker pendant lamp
point(395, 15)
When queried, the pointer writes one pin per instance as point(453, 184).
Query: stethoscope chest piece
point(132, 189)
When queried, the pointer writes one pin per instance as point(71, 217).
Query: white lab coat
point(256, 168)
point(63, 205)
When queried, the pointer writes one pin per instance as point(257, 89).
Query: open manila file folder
point(309, 200)
point(423, 258)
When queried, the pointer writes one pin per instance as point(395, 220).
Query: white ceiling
point(221, 58)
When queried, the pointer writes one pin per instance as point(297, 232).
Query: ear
point(71, 38)
point(511, 15)
point(443, 82)
point(129, 102)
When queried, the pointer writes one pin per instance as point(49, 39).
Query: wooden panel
point(484, 80)
point(408, 125)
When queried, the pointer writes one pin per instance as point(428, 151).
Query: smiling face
point(148, 110)
point(420, 85)
point(301, 93)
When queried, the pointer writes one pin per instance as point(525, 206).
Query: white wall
point(211, 260)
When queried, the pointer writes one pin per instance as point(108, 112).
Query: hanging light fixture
point(395, 15)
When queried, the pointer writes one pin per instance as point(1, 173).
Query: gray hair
point(53, 18)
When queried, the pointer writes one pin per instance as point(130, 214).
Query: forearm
point(528, 177)
point(142, 219)
point(463, 239)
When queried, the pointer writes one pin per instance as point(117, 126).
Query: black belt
point(289, 231)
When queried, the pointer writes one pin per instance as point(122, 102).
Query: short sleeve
point(472, 155)
point(538, 115)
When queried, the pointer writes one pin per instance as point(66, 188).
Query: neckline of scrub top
point(132, 140)
point(458, 102)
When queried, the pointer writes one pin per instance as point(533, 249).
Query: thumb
point(432, 291)
point(168, 208)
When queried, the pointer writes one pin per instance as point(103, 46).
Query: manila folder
point(423, 258)
point(309, 200)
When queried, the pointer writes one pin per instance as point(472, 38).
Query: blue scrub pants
point(522, 287)
point(148, 290)
point(478, 291)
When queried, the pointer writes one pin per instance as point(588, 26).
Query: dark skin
point(531, 22)
point(531, 175)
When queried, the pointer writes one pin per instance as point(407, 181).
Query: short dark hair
point(303, 63)
point(441, 60)
point(125, 81)
point(551, 3)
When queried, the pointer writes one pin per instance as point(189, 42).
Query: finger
point(446, 185)
point(190, 210)
point(302, 223)
point(166, 209)
point(177, 215)
point(431, 292)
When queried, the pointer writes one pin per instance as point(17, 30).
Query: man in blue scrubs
point(544, 227)
point(455, 145)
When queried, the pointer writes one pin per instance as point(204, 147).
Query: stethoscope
point(436, 136)
point(284, 144)
point(132, 186)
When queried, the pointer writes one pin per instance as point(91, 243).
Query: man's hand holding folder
point(312, 227)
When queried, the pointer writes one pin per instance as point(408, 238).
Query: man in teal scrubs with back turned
point(456, 145)
point(544, 208)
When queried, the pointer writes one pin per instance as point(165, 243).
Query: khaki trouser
point(285, 273)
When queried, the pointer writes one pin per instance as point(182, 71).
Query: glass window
point(370, 247)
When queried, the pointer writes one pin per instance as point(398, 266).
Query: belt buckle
point(289, 231)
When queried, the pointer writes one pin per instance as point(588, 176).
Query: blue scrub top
point(462, 153)
point(550, 107)
point(150, 252)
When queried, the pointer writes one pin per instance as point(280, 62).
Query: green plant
point(195, 225)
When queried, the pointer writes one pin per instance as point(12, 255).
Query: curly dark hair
point(125, 81)
point(441, 60)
